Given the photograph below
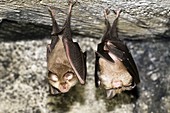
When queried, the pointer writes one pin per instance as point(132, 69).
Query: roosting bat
point(65, 61)
point(117, 68)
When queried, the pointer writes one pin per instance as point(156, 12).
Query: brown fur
point(59, 65)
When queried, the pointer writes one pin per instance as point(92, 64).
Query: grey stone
point(24, 34)
point(25, 89)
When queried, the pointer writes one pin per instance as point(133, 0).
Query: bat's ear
point(53, 90)
point(82, 71)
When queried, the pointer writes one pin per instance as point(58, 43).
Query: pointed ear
point(53, 90)
point(110, 93)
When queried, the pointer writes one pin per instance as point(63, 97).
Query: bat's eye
point(68, 76)
point(53, 77)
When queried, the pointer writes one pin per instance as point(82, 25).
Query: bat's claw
point(106, 13)
point(72, 3)
point(117, 12)
point(51, 11)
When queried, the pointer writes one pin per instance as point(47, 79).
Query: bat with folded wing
point(115, 69)
point(66, 62)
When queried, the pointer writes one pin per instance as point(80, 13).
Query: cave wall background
point(24, 33)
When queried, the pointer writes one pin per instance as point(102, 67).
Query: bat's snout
point(64, 87)
point(117, 84)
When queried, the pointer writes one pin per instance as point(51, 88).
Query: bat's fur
point(59, 65)
point(117, 69)
point(65, 60)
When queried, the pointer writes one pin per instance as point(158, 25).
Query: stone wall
point(24, 33)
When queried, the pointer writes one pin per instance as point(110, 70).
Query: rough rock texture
point(24, 87)
point(24, 34)
point(140, 19)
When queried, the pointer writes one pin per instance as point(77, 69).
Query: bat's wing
point(75, 55)
point(50, 47)
point(103, 54)
point(76, 59)
point(121, 46)
point(112, 44)
point(120, 50)
point(55, 31)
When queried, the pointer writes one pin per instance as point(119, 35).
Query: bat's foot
point(51, 12)
point(117, 12)
point(106, 13)
point(72, 2)
point(55, 27)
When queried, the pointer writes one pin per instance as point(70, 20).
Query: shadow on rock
point(126, 97)
point(166, 34)
point(22, 31)
point(62, 103)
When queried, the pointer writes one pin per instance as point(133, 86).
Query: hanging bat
point(115, 69)
point(65, 61)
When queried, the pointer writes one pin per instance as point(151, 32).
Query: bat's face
point(65, 61)
point(62, 82)
point(61, 75)
point(114, 77)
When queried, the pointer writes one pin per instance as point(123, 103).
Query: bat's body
point(65, 60)
point(117, 69)
point(59, 65)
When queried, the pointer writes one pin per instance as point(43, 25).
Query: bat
point(66, 62)
point(115, 69)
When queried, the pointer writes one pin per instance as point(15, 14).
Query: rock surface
point(24, 87)
point(140, 19)
point(24, 34)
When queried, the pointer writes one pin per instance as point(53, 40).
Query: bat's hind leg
point(55, 27)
